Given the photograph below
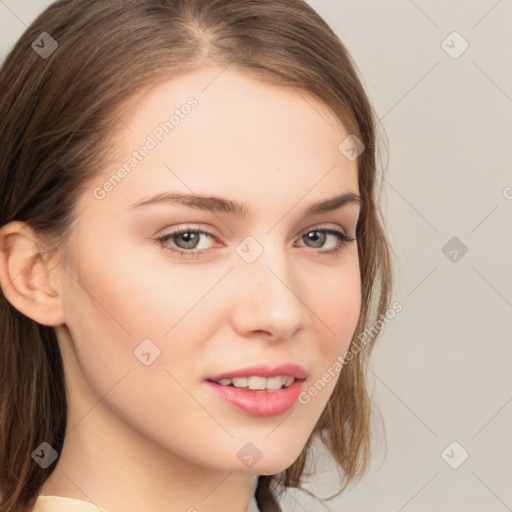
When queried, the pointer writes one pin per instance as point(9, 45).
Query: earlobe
point(25, 276)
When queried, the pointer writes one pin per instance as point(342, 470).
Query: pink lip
point(258, 402)
point(289, 369)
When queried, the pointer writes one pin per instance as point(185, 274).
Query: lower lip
point(258, 402)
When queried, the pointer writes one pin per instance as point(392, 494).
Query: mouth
point(255, 374)
point(258, 383)
point(259, 390)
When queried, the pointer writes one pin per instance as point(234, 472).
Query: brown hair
point(58, 115)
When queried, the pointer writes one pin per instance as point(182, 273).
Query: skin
point(154, 433)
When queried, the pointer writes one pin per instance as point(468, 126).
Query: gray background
point(441, 370)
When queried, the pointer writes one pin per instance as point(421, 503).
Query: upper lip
point(289, 369)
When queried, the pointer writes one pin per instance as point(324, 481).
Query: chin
point(272, 467)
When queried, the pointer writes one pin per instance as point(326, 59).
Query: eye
point(319, 235)
point(186, 241)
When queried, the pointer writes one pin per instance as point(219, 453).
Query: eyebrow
point(235, 208)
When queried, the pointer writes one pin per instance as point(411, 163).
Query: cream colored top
point(62, 504)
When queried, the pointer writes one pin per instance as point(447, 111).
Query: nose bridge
point(269, 298)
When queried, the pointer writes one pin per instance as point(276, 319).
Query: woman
point(191, 249)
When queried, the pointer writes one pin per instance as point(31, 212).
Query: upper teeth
point(258, 382)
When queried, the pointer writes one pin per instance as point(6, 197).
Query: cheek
point(109, 323)
point(122, 307)
point(335, 305)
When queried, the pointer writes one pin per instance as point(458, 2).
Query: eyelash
point(343, 239)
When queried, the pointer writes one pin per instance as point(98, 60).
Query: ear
point(25, 276)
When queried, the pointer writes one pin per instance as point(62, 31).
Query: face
point(152, 320)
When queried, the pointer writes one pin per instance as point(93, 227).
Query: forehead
point(217, 87)
point(234, 104)
point(217, 127)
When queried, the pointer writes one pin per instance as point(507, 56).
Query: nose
point(269, 297)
